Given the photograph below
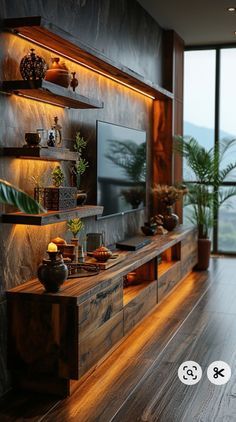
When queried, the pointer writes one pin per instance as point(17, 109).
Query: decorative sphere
point(33, 67)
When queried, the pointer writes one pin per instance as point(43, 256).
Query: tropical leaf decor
point(12, 195)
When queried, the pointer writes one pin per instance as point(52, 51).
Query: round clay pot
point(52, 274)
point(170, 220)
point(58, 73)
point(102, 254)
point(204, 252)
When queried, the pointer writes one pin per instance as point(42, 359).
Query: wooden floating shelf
point(46, 34)
point(51, 217)
point(132, 291)
point(41, 90)
point(47, 154)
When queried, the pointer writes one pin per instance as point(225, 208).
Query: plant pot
point(170, 220)
point(204, 252)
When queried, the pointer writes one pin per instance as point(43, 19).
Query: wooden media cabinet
point(56, 339)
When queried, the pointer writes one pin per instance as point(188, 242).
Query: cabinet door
point(137, 308)
point(168, 280)
point(43, 338)
point(95, 346)
point(189, 253)
point(100, 308)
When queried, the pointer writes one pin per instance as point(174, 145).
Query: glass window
point(199, 99)
point(227, 226)
point(227, 105)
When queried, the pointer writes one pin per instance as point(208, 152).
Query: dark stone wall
point(121, 30)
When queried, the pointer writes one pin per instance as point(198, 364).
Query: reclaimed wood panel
point(43, 338)
point(94, 347)
point(189, 253)
point(100, 308)
point(130, 292)
point(168, 279)
point(135, 310)
point(147, 272)
point(161, 148)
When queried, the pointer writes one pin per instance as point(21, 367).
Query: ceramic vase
point(170, 220)
point(58, 73)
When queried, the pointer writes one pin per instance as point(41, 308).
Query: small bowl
point(32, 139)
point(149, 231)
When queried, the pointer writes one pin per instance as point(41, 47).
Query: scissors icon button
point(219, 372)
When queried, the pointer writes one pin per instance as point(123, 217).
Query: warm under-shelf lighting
point(84, 65)
point(231, 9)
point(41, 100)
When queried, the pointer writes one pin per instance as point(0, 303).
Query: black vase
point(52, 273)
point(170, 220)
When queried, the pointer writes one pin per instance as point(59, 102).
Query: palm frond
point(205, 194)
point(12, 195)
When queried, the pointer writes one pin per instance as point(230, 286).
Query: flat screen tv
point(121, 168)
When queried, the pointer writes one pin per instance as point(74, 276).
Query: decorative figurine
point(58, 132)
point(33, 67)
point(51, 139)
point(74, 81)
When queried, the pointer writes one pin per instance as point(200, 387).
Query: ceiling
point(199, 22)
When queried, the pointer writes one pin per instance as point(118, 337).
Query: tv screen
point(121, 168)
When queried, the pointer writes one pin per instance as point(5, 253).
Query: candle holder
point(52, 272)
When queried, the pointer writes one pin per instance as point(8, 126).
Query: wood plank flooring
point(139, 381)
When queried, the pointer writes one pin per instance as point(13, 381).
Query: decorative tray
point(82, 269)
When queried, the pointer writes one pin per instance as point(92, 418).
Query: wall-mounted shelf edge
point(51, 217)
point(35, 153)
point(41, 90)
point(42, 32)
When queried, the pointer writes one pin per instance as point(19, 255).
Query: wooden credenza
point(56, 339)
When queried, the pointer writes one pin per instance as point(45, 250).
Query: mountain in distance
point(204, 135)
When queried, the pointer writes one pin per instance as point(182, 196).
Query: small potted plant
point(75, 225)
point(79, 168)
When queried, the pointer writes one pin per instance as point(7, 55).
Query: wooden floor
point(139, 381)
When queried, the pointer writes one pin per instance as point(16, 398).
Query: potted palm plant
point(205, 192)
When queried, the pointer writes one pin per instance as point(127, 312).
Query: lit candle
point(52, 247)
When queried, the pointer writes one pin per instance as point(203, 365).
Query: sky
point(199, 89)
